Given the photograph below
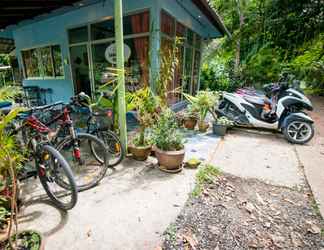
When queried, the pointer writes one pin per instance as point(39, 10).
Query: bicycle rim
point(87, 169)
point(52, 167)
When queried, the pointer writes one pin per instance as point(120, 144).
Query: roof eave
point(212, 16)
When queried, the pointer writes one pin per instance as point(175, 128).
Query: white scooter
point(279, 108)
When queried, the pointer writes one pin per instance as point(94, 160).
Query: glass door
point(80, 69)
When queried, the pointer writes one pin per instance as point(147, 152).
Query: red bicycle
point(81, 150)
point(51, 166)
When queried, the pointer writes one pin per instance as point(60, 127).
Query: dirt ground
point(235, 213)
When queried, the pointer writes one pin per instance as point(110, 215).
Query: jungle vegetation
point(269, 38)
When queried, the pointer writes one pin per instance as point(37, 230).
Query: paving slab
point(262, 155)
point(130, 209)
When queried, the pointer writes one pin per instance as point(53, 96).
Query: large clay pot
point(140, 153)
point(190, 123)
point(203, 126)
point(170, 159)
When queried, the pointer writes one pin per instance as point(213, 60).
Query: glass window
point(136, 67)
point(46, 61)
point(196, 70)
point(181, 30)
point(198, 42)
point(137, 23)
point(167, 24)
point(188, 69)
point(103, 30)
point(43, 62)
point(57, 58)
point(31, 63)
point(190, 36)
point(78, 35)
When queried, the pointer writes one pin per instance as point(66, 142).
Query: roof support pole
point(119, 36)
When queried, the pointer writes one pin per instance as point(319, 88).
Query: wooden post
point(119, 37)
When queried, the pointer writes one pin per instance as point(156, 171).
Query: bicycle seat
point(5, 110)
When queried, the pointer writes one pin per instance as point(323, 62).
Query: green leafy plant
point(224, 121)
point(26, 240)
point(168, 65)
point(191, 112)
point(203, 102)
point(205, 175)
point(166, 135)
point(146, 104)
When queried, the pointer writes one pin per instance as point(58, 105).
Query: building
point(66, 46)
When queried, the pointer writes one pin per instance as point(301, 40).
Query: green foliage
point(146, 104)
point(205, 175)
point(203, 102)
point(9, 93)
point(274, 36)
point(27, 240)
point(224, 121)
point(166, 135)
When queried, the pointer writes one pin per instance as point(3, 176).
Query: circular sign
point(110, 53)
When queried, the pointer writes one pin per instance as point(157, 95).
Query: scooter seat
point(257, 100)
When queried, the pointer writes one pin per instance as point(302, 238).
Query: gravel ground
point(235, 213)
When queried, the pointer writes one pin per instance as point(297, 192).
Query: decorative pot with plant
point(190, 117)
point(168, 141)
point(26, 240)
point(202, 103)
point(220, 125)
point(147, 105)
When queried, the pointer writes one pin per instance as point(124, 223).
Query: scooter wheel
point(299, 132)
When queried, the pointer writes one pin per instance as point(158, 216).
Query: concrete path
point(268, 156)
point(130, 209)
point(262, 155)
point(312, 155)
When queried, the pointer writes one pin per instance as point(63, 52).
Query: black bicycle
point(50, 166)
point(100, 124)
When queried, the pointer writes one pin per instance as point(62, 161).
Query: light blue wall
point(52, 29)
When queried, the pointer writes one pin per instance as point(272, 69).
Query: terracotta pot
point(140, 153)
point(190, 123)
point(203, 126)
point(169, 159)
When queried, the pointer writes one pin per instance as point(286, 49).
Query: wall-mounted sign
point(110, 53)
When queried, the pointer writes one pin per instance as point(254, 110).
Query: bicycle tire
point(59, 159)
point(91, 140)
point(111, 140)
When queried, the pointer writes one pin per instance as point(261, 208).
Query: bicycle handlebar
point(46, 106)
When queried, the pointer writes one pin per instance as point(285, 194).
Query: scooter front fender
point(296, 116)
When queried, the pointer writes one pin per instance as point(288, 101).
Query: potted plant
point(190, 117)
point(220, 125)
point(168, 141)
point(28, 239)
point(202, 103)
point(146, 104)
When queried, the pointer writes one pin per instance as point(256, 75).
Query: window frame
point(40, 63)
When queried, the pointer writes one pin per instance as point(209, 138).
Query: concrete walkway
point(311, 156)
point(130, 209)
point(268, 157)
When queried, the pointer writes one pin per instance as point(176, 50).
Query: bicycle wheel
point(52, 167)
point(113, 144)
point(87, 169)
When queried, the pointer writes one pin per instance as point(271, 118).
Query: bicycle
point(97, 126)
point(81, 150)
point(50, 165)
